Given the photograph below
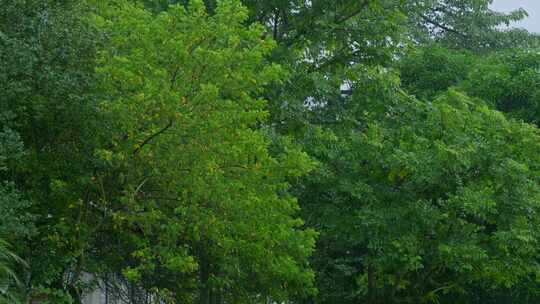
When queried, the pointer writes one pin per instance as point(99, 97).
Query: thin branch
point(275, 26)
point(146, 141)
point(140, 185)
point(442, 26)
point(354, 12)
point(174, 75)
point(307, 29)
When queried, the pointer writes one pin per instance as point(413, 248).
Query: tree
point(505, 79)
point(193, 200)
point(422, 201)
point(508, 81)
point(466, 24)
point(428, 71)
point(46, 111)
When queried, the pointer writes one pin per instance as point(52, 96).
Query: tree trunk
point(204, 290)
point(372, 294)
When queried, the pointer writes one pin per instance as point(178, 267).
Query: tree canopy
point(253, 151)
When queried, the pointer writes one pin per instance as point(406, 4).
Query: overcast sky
point(531, 6)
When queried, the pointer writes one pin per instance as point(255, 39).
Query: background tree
point(509, 82)
point(47, 48)
point(466, 24)
point(422, 215)
point(428, 71)
point(505, 79)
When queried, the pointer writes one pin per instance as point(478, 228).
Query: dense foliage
point(228, 151)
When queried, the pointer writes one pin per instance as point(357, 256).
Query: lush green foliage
point(429, 71)
point(201, 151)
point(46, 72)
point(464, 24)
point(9, 280)
point(509, 81)
point(421, 194)
point(199, 196)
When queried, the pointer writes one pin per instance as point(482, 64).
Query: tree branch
point(442, 26)
point(146, 141)
point(354, 12)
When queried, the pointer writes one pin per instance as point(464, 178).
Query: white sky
point(532, 23)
